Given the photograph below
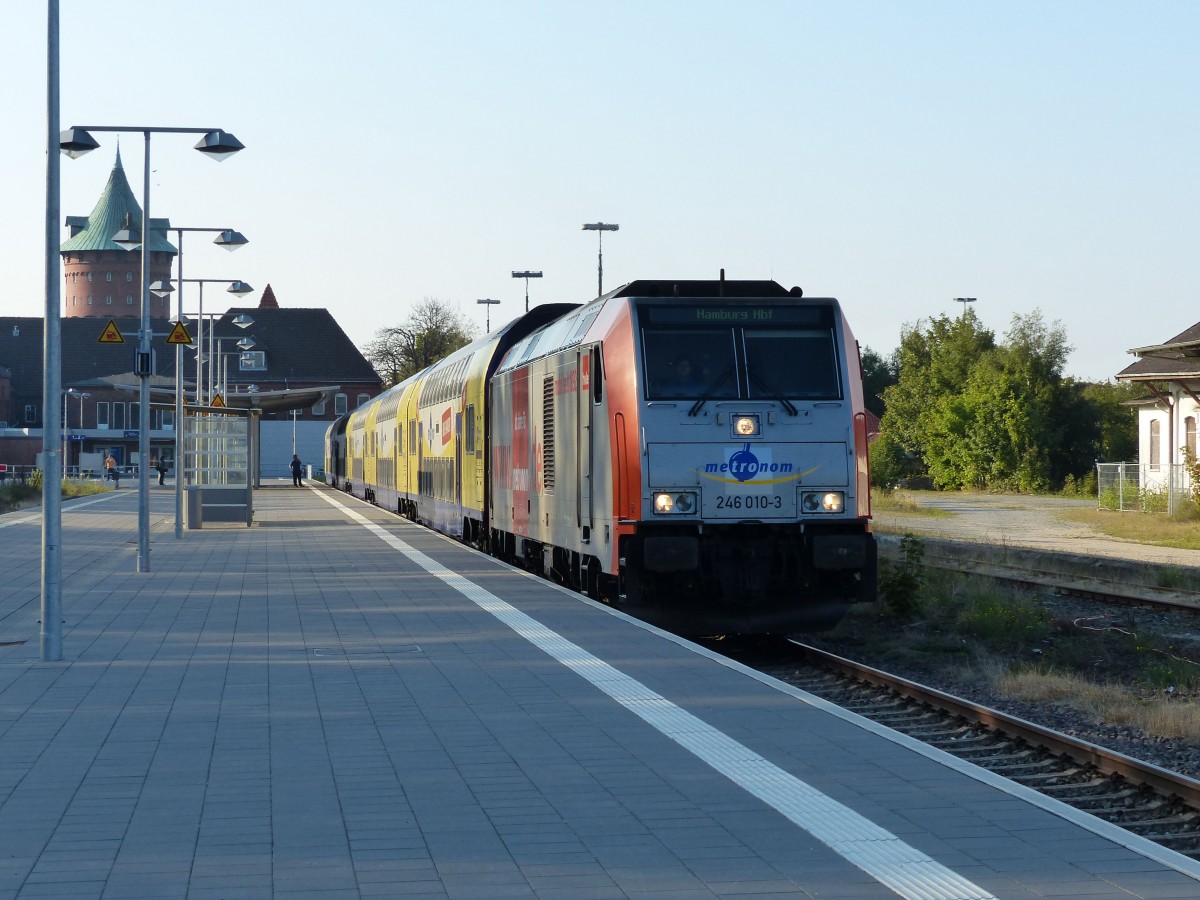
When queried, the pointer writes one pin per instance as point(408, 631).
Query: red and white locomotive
point(693, 452)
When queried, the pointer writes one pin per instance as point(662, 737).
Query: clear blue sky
point(1037, 156)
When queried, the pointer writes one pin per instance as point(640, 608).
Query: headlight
point(822, 502)
point(679, 503)
point(745, 426)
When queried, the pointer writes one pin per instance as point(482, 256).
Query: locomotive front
point(754, 464)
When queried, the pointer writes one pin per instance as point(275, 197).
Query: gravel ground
point(1020, 521)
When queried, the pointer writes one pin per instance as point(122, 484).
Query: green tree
point(981, 415)
point(1117, 440)
point(879, 374)
point(432, 331)
point(923, 421)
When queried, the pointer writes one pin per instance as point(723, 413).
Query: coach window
point(469, 435)
point(340, 402)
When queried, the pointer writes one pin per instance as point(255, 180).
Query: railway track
point(1155, 803)
point(1094, 578)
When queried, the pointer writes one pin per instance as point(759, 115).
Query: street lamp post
point(488, 304)
point(236, 287)
point(50, 638)
point(527, 276)
point(600, 228)
point(218, 144)
point(70, 392)
point(230, 240)
point(244, 344)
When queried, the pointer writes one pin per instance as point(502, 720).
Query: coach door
point(588, 364)
point(458, 465)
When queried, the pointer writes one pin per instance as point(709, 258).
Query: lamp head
point(75, 142)
point(240, 288)
point(129, 237)
point(230, 239)
point(219, 144)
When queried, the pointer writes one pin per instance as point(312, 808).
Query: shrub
point(900, 583)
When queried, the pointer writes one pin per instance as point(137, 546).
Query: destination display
point(735, 315)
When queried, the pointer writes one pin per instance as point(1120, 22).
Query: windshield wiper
point(709, 391)
point(775, 392)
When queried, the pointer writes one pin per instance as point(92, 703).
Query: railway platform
point(336, 703)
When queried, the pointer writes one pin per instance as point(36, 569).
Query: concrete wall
point(277, 446)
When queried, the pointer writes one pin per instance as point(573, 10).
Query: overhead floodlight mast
point(600, 227)
point(218, 144)
point(964, 301)
point(488, 304)
point(527, 276)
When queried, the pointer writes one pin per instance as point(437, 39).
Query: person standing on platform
point(111, 470)
point(297, 468)
point(160, 466)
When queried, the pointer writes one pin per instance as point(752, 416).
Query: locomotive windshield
point(739, 352)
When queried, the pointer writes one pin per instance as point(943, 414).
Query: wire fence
point(1137, 487)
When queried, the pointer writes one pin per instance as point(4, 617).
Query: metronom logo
point(743, 465)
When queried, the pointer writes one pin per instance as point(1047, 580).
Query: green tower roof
point(95, 232)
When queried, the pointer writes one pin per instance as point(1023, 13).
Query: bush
point(901, 583)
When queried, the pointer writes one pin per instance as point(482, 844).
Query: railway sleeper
point(1143, 827)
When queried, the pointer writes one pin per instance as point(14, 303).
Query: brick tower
point(103, 278)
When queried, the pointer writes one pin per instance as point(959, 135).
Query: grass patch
point(1111, 704)
point(19, 496)
point(967, 630)
point(1182, 532)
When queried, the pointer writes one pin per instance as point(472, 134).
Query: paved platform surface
point(335, 703)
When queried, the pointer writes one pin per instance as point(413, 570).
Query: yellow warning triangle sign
point(111, 334)
point(218, 401)
point(179, 335)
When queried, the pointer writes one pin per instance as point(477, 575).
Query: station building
point(302, 372)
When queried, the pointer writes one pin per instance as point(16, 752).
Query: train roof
point(713, 288)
